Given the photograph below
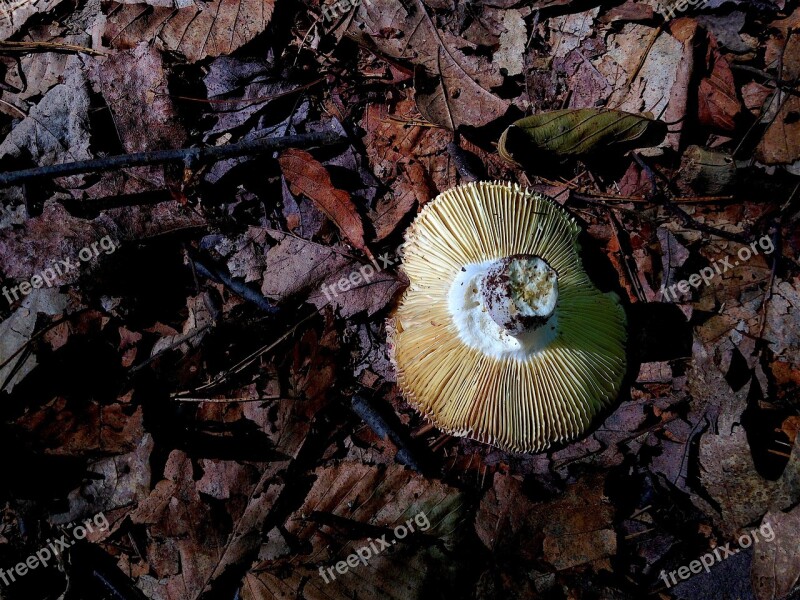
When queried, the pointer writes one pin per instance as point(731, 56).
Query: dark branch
point(185, 155)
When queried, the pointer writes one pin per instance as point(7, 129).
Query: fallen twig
point(185, 155)
point(211, 271)
point(368, 412)
point(28, 47)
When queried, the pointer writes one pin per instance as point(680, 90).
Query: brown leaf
point(781, 142)
point(349, 505)
point(118, 482)
point(328, 276)
point(574, 529)
point(56, 130)
point(15, 13)
point(630, 12)
point(186, 550)
point(134, 86)
point(755, 96)
point(727, 471)
point(452, 87)
point(66, 430)
point(408, 158)
point(776, 564)
point(305, 175)
point(718, 105)
point(641, 85)
point(198, 30)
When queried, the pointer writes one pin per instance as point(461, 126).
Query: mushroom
point(501, 336)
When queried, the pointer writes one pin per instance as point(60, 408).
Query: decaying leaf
point(641, 76)
point(728, 473)
point(184, 551)
point(781, 142)
point(578, 132)
point(327, 276)
point(133, 84)
point(574, 529)
point(453, 88)
point(349, 506)
point(716, 95)
point(776, 565)
point(15, 13)
point(16, 332)
point(196, 30)
point(305, 175)
point(409, 159)
point(57, 129)
point(201, 320)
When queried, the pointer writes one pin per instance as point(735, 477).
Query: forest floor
point(188, 380)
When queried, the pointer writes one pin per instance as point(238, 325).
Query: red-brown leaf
point(305, 175)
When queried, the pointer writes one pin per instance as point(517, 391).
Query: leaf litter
point(197, 386)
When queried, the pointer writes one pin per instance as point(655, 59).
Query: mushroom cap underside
point(462, 371)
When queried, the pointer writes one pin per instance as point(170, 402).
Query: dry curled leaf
point(306, 175)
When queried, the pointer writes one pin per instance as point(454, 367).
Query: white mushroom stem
point(520, 292)
point(506, 307)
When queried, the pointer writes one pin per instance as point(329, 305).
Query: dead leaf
point(305, 175)
point(117, 482)
point(640, 85)
point(776, 569)
point(409, 159)
point(453, 88)
point(196, 30)
point(134, 85)
point(56, 130)
point(349, 506)
point(16, 332)
point(512, 43)
point(15, 13)
point(781, 142)
point(187, 552)
point(718, 104)
point(327, 276)
point(200, 322)
point(573, 529)
point(728, 473)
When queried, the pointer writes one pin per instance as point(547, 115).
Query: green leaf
point(578, 132)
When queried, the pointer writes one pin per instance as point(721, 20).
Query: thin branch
point(7, 47)
point(185, 155)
